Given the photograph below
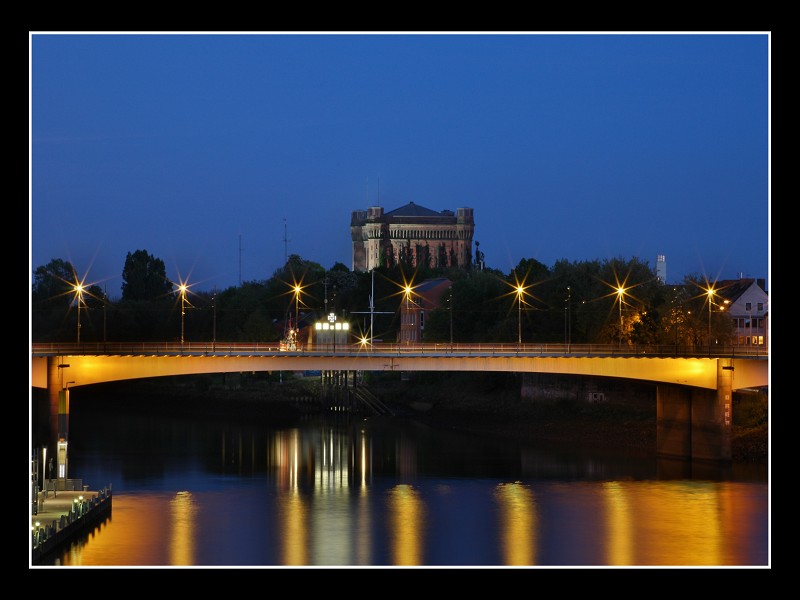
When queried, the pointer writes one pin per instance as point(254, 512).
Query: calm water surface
point(346, 491)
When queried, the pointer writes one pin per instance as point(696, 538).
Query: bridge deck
point(97, 363)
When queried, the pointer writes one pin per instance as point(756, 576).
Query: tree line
point(577, 302)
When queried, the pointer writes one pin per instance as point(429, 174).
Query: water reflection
point(406, 525)
point(183, 514)
point(352, 492)
point(618, 522)
point(517, 523)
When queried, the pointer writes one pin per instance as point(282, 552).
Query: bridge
point(694, 385)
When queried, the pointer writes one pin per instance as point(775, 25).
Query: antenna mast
point(285, 244)
point(240, 260)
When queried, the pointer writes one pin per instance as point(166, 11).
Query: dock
point(59, 516)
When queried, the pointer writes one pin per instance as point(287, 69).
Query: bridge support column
point(696, 423)
point(56, 414)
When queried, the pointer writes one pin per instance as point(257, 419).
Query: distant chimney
point(762, 283)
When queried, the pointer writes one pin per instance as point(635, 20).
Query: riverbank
point(625, 423)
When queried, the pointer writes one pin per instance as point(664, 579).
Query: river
point(349, 491)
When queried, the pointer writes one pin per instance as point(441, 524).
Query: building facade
point(421, 299)
point(412, 234)
point(747, 303)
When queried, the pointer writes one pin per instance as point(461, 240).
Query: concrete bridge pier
point(57, 413)
point(53, 419)
point(695, 423)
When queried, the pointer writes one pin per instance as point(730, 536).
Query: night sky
point(223, 153)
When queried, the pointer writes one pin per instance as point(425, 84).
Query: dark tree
point(144, 278)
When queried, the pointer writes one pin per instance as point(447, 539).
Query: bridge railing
point(394, 349)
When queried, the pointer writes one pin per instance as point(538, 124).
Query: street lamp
point(450, 300)
point(620, 294)
point(520, 291)
point(214, 322)
point(407, 290)
point(79, 296)
point(332, 321)
point(297, 290)
point(567, 320)
point(710, 293)
point(182, 289)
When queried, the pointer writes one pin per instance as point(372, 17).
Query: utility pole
point(285, 244)
point(568, 320)
point(451, 317)
point(214, 321)
point(105, 301)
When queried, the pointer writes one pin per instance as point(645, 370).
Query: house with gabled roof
point(747, 302)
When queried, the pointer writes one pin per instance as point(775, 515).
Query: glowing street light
point(620, 300)
point(407, 290)
point(79, 296)
point(182, 289)
point(297, 290)
point(520, 290)
point(710, 293)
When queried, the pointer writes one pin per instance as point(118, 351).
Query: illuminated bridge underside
point(694, 372)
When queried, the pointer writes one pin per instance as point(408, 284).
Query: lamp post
point(620, 294)
point(520, 291)
point(451, 316)
point(332, 321)
point(710, 293)
point(407, 290)
point(79, 296)
point(297, 289)
point(182, 289)
point(568, 320)
point(214, 320)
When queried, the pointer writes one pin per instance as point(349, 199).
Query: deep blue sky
point(208, 151)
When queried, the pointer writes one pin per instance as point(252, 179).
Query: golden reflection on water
point(294, 530)
point(331, 514)
point(363, 551)
point(678, 524)
point(292, 507)
point(406, 516)
point(181, 540)
point(518, 523)
point(132, 536)
point(619, 528)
